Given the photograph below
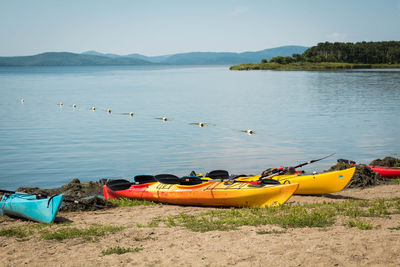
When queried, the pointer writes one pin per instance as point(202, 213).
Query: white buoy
point(164, 118)
point(201, 124)
point(250, 131)
point(108, 110)
point(131, 114)
point(74, 105)
point(22, 100)
point(60, 104)
point(93, 108)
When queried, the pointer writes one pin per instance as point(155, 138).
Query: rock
point(93, 203)
point(75, 181)
point(386, 162)
point(363, 177)
point(86, 193)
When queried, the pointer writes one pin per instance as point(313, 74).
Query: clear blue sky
point(152, 27)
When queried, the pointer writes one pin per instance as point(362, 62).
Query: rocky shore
point(90, 194)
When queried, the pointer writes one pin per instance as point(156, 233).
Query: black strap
point(50, 198)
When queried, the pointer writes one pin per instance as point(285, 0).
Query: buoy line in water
point(164, 119)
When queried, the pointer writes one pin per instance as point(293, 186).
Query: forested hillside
point(359, 53)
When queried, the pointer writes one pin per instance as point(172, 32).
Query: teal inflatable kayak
point(32, 207)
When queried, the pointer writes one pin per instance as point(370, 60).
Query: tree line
point(358, 53)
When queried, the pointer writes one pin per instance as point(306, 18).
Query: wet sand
point(336, 245)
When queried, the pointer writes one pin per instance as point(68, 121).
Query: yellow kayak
point(313, 184)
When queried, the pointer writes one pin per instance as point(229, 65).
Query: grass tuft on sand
point(269, 232)
point(87, 234)
point(286, 216)
point(18, 232)
point(119, 250)
point(125, 202)
point(360, 224)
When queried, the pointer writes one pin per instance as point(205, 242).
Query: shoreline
point(307, 66)
point(155, 244)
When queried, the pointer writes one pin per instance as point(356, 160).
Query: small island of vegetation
point(334, 56)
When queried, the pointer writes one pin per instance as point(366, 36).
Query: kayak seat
point(269, 181)
point(143, 179)
point(218, 174)
point(190, 180)
point(167, 179)
point(118, 184)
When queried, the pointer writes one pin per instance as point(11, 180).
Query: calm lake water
point(297, 116)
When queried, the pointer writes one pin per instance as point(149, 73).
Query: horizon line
point(122, 55)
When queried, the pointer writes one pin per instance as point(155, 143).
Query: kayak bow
point(31, 207)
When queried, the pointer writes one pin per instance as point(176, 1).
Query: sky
point(152, 27)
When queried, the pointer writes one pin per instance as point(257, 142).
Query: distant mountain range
point(93, 58)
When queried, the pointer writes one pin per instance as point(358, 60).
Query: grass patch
point(155, 222)
point(73, 232)
point(18, 232)
point(118, 250)
point(125, 202)
point(375, 208)
point(225, 220)
point(362, 225)
point(286, 216)
point(394, 228)
point(397, 180)
point(268, 232)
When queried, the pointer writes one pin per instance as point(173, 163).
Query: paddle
point(280, 172)
point(312, 161)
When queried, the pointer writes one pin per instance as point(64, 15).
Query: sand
point(337, 245)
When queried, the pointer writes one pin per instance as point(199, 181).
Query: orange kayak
point(208, 193)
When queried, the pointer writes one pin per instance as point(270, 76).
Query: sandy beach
point(336, 245)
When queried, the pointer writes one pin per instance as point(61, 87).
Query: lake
point(297, 116)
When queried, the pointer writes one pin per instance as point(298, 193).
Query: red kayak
point(386, 172)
